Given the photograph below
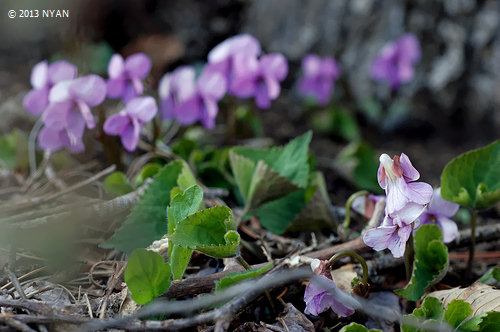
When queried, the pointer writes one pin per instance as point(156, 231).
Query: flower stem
point(408, 257)
point(472, 240)
point(243, 262)
point(348, 204)
point(357, 257)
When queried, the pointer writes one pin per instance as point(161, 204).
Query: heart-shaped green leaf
point(306, 209)
point(147, 275)
point(211, 231)
point(473, 178)
point(146, 223)
point(265, 174)
point(430, 264)
point(182, 205)
point(117, 184)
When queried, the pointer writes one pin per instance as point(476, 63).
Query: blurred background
point(451, 105)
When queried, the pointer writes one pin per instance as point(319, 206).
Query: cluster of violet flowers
point(65, 101)
point(409, 204)
point(233, 67)
point(394, 64)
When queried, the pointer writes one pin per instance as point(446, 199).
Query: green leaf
point(182, 205)
point(147, 275)
point(211, 231)
point(345, 125)
point(473, 178)
point(306, 209)
point(236, 277)
point(431, 309)
point(277, 215)
point(148, 171)
point(493, 273)
point(358, 158)
point(266, 174)
point(147, 221)
point(457, 312)
point(355, 327)
point(14, 150)
point(117, 183)
point(430, 264)
point(490, 322)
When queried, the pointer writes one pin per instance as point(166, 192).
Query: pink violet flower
point(125, 76)
point(406, 201)
point(202, 104)
point(319, 300)
point(395, 61)
point(259, 78)
point(43, 78)
point(128, 122)
point(222, 56)
point(174, 88)
point(319, 75)
point(396, 176)
point(440, 211)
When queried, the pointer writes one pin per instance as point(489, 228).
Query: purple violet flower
point(44, 77)
point(202, 105)
point(70, 101)
point(406, 201)
point(440, 211)
point(319, 300)
point(125, 76)
point(222, 55)
point(259, 78)
point(174, 88)
point(395, 61)
point(128, 123)
point(56, 137)
point(319, 77)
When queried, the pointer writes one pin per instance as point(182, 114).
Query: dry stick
point(13, 278)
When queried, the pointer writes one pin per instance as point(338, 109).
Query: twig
point(15, 282)
point(12, 322)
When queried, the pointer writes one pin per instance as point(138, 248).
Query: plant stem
point(408, 257)
point(357, 257)
point(243, 262)
point(348, 204)
point(472, 240)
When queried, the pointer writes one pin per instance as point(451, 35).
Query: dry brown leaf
point(343, 277)
point(481, 297)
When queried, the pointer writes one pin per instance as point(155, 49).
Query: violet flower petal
point(90, 89)
point(448, 227)
point(130, 136)
point(115, 124)
point(36, 100)
point(49, 139)
point(409, 47)
point(212, 84)
point(189, 111)
point(115, 87)
point(40, 75)
point(61, 71)
point(409, 172)
point(55, 115)
point(138, 65)
point(441, 207)
point(142, 108)
point(116, 66)
point(243, 43)
point(377, 238)
point(60, 92)
point(274, 65)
